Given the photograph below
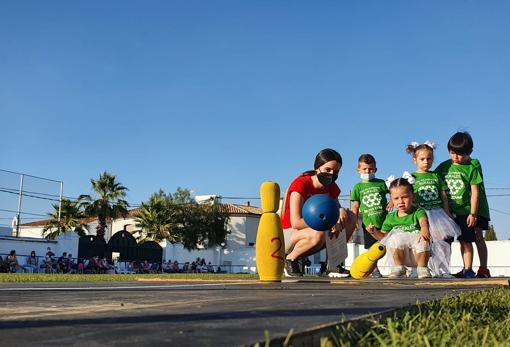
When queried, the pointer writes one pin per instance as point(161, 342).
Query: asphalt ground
point(199, 313)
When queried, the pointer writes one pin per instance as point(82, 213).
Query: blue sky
point(220, 96)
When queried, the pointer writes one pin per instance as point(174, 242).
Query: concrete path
point(199, 313)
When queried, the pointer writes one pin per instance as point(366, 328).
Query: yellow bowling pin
point(270, 245)
point(365, 263)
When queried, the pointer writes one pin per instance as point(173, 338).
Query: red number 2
point(274, 254)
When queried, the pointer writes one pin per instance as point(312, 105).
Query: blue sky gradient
point(220, 96)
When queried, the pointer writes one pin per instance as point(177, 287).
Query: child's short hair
point(367, 159)
point(401, 182)
point(461, 143)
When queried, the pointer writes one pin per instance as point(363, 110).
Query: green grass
point(471, 319)
point(22, 277)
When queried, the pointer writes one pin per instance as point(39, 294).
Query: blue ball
point(320, 212)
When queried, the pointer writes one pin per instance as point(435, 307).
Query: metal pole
point(19, 203)
point(60, 204)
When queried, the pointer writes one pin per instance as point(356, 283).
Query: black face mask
point(326, 178)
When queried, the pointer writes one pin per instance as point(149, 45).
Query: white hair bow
point(431, 144)
point(410, 178)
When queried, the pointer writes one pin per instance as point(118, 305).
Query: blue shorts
point(467, 233)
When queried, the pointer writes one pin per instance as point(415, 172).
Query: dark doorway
point(124, 243)
point(90, 246)
point(150, 251)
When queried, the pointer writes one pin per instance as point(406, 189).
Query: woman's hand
point(337, 228)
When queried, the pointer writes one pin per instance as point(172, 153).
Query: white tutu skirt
point(439, 261)
point(403, 240)
point(440, 251)
point(441, 226)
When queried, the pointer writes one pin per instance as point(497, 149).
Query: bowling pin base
point(270, 280)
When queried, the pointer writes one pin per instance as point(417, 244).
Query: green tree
point(154, 219)
point(178, 218)
point(71, 219)
point(490, 234)
point(107, 203)
point(198, 225)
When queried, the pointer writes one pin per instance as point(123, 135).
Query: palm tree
point(70, 220)
point(154, 219)
point(108, 203)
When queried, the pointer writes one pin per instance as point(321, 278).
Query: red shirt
point(304, 186)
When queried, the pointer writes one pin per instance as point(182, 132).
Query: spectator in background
point(146, 267)
point(96, 264)
point(72, 266)
point(12, 261)
point(193, 267)
point(175, 267)
point(32, 263)
point(62, 263)
point(186, 267)
point(166, 266)
point(210, 268)
point(50, 253)
point(4, 267)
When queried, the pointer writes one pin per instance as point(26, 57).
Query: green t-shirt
point(459, 179)
point(483, 204)
point(371, 196)
point(427, 188)
point(409, 223)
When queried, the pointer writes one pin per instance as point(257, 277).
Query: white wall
point(24, 245)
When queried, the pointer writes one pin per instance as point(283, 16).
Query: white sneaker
point(445, 275)
point(397, 272)
point(341, 272)
point(338, 275)
point(423, 272)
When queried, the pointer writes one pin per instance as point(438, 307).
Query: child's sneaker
point(446, 275)
point(376, 273)
point(423, 272)
point(483, 272)
point(469, 273)
point(397, 272)
point(459, 274)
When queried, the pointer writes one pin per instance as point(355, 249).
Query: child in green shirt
point(430, 194)
point(407, 229)
point(369, 198)
point(466, 195)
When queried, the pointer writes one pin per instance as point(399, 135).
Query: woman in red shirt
point(300, 239)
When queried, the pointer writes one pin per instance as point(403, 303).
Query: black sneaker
point(292, 268)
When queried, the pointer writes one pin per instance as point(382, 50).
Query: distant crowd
point(96, 265)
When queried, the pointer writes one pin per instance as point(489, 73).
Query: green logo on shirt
point(455, 185)
point(428, 192)
point(371, 200)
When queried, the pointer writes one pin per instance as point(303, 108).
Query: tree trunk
point(101, 227)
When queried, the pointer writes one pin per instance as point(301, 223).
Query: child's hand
point(371, 229)
point(471, 221)
point(425, 235)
